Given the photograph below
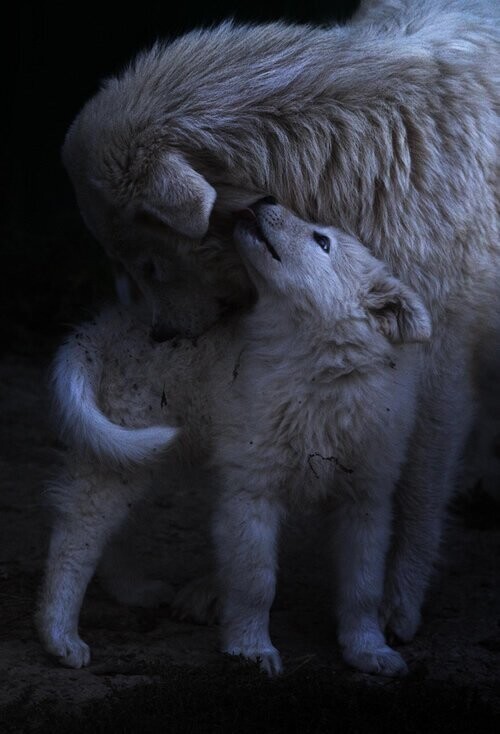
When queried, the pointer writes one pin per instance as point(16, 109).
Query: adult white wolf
point(310, 395)
point(386, 127)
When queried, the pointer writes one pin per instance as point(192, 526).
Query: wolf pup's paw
point(381, 661)
point(69, 649)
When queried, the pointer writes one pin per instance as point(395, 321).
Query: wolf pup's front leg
point(246, 533)
point(361, 539)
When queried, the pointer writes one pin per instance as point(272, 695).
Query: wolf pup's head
point(324, 272)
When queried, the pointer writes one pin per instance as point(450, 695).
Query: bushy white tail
point(75, 381)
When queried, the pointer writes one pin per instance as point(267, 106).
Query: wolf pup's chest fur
point(303, 419)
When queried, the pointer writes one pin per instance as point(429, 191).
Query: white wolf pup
point(309, 395)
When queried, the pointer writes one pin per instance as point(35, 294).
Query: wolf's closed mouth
point(251, 223)
point(271, 249)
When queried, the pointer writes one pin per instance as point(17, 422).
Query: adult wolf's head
point(152, 211)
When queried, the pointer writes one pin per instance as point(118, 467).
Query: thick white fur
point(386, 127)
point(310, 395)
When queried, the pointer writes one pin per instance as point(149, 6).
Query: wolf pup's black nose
point(267, 200)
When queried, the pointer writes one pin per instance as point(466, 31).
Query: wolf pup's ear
point(398, 312)
point(177, 196)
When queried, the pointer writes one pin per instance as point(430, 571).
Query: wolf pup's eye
point(322, 240)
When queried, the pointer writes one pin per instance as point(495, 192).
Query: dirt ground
point(151, 673)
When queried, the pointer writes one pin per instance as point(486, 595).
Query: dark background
point(52, 270)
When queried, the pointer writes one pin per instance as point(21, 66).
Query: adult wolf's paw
point(400, 618)
point(197, 602)
point(382, 661)
point(268, 659)
point(69, 649)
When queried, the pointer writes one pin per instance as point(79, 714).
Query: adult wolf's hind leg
point(426, 485)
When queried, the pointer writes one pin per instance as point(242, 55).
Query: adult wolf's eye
point(322, 240)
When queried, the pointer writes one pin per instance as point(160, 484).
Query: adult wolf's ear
point(177, 196)
point(399, 312)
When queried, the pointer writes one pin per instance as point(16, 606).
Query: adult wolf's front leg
point(427, 482)
point(246, 533)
